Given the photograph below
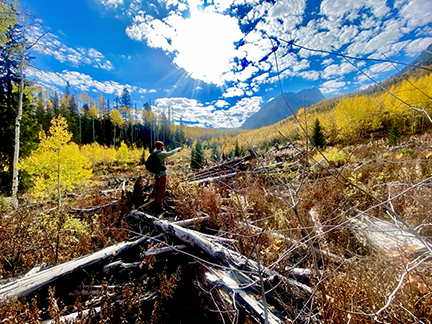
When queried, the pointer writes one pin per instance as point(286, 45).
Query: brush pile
point(285, 237)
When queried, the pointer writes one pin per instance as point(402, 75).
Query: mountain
point(277, 109)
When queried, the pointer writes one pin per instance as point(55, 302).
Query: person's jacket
point(162, 156)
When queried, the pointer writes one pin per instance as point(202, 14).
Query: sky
point(214, 63)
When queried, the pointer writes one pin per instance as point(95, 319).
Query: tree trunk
point(17, 134)
point(26, 286)
point(59, 180)
point(114, 136)
point(93, 130)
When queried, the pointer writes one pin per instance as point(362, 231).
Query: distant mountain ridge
point(277, 109)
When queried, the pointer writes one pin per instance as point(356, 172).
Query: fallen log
point(192, 221)
point(216, 250)
point(194, 238)
point(93, 312)
point(228, 282)
point(107, 191)
point(119, 265)
point(214, 178)
point(387, 237)
point(228, 167)
point(95, 208)
point(31, 284)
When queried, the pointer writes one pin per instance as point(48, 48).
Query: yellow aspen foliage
point(116, 118)
point(408, 98)
point(135, 154)
point(328, 125)
point(57, 164)
point(357, 115)
point(92, 111)
point(98, 154)
point(148, 116)
point(397, 111)
point(122, 154)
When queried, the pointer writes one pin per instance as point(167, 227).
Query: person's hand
point(180, 148)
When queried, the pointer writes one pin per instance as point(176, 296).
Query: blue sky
point(213, 62)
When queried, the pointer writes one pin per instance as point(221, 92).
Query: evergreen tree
point(238, 151)
point(197, 156)
point(317, 137)
point(215, 154)
point(18, 125)
point(394, 135)
point(165, 129)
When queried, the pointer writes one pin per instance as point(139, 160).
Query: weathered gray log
point(213, 178)
point(95, 208)
point(92, 290)
point(192, 221)
point(107, 191)
point(212, 247)
point(119, 265)
point(36, 269)
point(218, 251)
point(387, 237)
point(70, 318)
point(31, 284)
point(244, 298)
point(228, 167)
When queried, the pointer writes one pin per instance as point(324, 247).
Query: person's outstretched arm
point(164, 155)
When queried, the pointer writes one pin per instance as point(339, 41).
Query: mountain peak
point(277, 109)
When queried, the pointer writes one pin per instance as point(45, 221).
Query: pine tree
point(317, 137)
point(394, 135)
point(215, 155)
point(197, 156)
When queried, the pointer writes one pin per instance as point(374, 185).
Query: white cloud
point(202, 44)
point(155, 32)
point(282, 17)
point(336, 70)
point(221, 103)
point(332, 86)
point(340, 8)
point(309, 75)
point(233, 92)
point(49, 44)
point(417, 45)
point(417, 12)
point(194, 112)
point(112, 3)
point(80, 81)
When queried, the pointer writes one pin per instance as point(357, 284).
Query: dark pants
point(160, 185)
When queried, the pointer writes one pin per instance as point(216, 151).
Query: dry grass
point(289, 211)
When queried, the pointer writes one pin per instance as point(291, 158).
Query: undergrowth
point(283, 214)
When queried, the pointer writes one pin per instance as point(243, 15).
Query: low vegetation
point(300, 200)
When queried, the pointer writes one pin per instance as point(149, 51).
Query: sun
point(205, 45)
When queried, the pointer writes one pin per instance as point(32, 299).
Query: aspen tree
point(57, 164)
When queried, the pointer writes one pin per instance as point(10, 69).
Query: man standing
point(160, 177)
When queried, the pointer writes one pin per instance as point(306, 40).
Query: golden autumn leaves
point(57, 164)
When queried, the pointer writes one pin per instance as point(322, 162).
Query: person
point(161, 177)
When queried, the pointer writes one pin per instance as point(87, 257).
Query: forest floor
point(345, 242)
